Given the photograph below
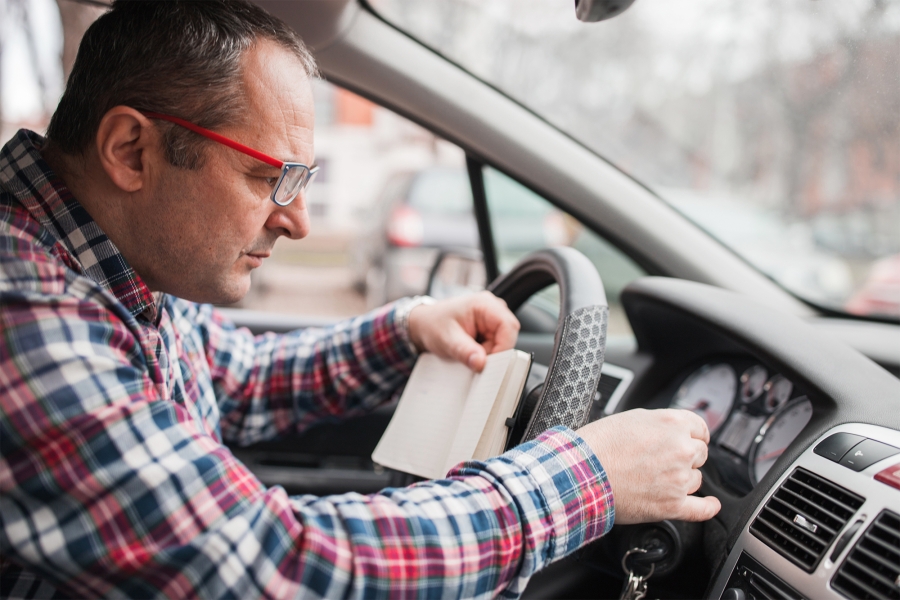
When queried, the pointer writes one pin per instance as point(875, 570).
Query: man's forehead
point(280, 112)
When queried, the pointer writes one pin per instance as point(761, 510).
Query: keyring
point(628, 571)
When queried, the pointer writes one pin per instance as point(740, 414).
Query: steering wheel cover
point(580, 339)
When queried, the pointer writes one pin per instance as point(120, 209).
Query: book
point(448, 414)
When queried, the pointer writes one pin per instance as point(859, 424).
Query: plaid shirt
point(114, 408)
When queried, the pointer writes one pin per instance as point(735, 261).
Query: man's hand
point(450, 328)
point(652, 459)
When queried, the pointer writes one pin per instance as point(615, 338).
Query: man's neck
point(70, 168)
point(89, 184)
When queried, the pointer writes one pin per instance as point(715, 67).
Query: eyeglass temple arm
point(217, 138)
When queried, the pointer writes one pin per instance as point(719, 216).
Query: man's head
point(193, 217)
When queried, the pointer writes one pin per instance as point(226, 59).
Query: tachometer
point(778, 392)
point(710, 393)
point(753, 380)
point(776, 434)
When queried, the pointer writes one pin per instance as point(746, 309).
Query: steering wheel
point(568, 390)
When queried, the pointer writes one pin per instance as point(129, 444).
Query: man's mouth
point(256, 258)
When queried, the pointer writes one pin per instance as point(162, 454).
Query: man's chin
point(228, 291)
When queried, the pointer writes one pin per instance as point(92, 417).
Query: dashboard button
point(890, 476)
point(834, 447)
point(867, 452)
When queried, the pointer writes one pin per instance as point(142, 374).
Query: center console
point(830, 527)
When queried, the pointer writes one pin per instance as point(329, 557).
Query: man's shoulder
point(27, 260)
point(28, 266)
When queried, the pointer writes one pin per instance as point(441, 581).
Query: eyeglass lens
point(293, 181)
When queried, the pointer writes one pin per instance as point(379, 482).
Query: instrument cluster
point(752, 414)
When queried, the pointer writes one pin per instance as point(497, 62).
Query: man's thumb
point(470, 353)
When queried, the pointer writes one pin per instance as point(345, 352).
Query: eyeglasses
point(294, 178)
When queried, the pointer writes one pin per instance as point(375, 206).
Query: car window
point(523, 221)
point(441, 191)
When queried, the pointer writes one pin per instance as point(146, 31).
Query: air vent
point(803, 517)
point(756, 581)
point(872, 569)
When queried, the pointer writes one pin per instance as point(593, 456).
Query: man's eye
point(271, 181)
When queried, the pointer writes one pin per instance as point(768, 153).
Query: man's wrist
point(403, 310)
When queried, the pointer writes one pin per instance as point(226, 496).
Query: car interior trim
point(878, 497)
point(625, 377)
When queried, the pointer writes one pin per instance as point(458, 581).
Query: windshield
point(773, 124)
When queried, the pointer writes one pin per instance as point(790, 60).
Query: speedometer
point(709, 393)
point(776, 434)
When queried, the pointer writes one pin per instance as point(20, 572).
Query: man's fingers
point(498, 327)
point(697, 425)
point(699, 509)
point(468, 352)
point(701, 453)
point(697, 481)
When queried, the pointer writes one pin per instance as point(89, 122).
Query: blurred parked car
point(420, 213)
point(880, 293)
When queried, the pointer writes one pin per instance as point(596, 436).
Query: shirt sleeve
point(108, 489)
point(272, 384)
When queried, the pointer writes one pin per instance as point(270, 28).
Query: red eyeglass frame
point(286, 167)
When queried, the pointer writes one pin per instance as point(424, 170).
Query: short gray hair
point(178, 57)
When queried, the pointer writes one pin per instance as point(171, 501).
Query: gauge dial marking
point(776, 435)
point(709, 392)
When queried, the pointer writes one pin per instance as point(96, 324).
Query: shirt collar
point(28, 177)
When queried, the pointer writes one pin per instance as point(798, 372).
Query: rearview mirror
point(591, 11)
point(457, 272)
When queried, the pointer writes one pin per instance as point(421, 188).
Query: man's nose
point(292, 220)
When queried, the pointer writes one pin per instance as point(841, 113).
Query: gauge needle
point(772, 454)
point(701, 406)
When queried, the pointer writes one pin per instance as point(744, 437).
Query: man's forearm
point(271, 384)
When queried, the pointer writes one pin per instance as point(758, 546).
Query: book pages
point(496, 433)
point(448, 414)
point(485, 389)
point(427, 417)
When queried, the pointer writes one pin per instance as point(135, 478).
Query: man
point(177, 156)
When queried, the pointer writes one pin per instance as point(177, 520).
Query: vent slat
point(823, 500)
point(816, 535)
point(824, 503)
point(767, 590)
point(831, 515)
point(776, 539)
point(894, 566)
point(793, 529)
point(862, 585)
point(881, 531)
point(872, 573)
point(873, 564)
point(847, 498)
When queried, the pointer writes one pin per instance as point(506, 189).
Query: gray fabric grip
point(574, 374)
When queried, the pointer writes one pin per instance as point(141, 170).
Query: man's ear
point(126, 140)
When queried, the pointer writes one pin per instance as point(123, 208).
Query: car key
point(636, 585)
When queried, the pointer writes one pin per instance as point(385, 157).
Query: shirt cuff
point(562, 491)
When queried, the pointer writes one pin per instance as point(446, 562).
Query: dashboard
point(804, 445)
point(753, 414)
